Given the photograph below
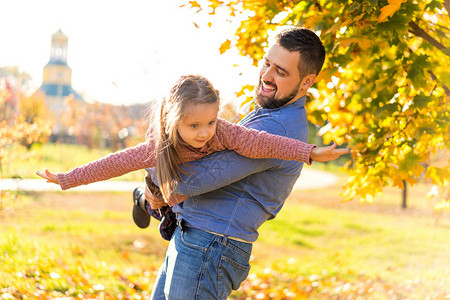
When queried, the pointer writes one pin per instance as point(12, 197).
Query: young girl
point(187, 129)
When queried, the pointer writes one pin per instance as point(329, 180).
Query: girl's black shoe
point(140, 215)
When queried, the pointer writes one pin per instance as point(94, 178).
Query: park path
point(309, 179)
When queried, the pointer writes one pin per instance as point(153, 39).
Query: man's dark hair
point(308, 44)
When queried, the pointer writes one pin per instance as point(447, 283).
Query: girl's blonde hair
point(188, 91)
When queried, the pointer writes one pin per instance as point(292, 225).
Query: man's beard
point(270, 101)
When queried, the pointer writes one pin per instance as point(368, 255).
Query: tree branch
point(447, 5)
point(446, 89)
point(416, 30)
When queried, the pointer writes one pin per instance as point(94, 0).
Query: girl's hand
point(323, 154)
point(52, 178)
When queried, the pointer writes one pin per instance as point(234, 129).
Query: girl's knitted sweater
point(245, 141)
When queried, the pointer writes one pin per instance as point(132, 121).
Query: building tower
point(57, 76)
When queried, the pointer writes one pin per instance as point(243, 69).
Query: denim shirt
point(234, 195)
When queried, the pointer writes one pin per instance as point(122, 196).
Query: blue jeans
point(200, 265)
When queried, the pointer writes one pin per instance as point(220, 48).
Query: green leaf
point(421, 101)
point(417, 69)
point(398, 24)
point(434, 5)
point(353, 7)
point(387, 110)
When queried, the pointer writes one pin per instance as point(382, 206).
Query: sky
point(122, 52)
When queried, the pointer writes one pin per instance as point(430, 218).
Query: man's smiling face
point(279, 76)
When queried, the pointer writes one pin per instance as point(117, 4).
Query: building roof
point(58, 90)
point(59, 34)
point(54, 61)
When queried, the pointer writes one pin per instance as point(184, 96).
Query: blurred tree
point(100, 125)
point(15, 76)
point(384, 88)
point(18, 131)
point(33, 108)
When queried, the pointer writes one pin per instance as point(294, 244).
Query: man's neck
point(295, 99)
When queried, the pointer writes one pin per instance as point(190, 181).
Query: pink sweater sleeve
point(112, 165)
point(260, 144)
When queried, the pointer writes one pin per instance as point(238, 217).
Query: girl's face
point(199, 125)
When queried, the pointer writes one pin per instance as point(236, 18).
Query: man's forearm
point(218, 170)
point(215, 171)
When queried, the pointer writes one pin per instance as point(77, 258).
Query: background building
point(57, 76)
point(76, 121)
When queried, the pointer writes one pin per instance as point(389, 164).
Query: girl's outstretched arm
point(327, 153)
point(112, 165)
point(52, 178)
point(260, 144)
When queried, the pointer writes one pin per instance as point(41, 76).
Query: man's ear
point(308, 81)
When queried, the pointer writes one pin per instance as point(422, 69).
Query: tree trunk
point(404, 195)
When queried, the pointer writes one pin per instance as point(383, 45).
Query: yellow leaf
point(368, 198)
point(390, 9)
point(397, 181)
point(244, 89)
point(194, 4)
point(347, 42)
point(417, 170)
point(348, 194)
point(225, 46)
point(312, 21)
point(364, 44)
point(442, 206)
point(411, 181)
point(440, 176)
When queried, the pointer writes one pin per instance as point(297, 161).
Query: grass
point(66, 244)
point(320, 234)
point(395, 247)
point(58, 158)
point(50, 247)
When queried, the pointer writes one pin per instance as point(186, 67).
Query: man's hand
point(323, 154)
point(154, 201)
point(153, 193)
point(52, 178)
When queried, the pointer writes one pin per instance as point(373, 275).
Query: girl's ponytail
point(167, 158)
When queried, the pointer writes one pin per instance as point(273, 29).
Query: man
point(231, 196)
